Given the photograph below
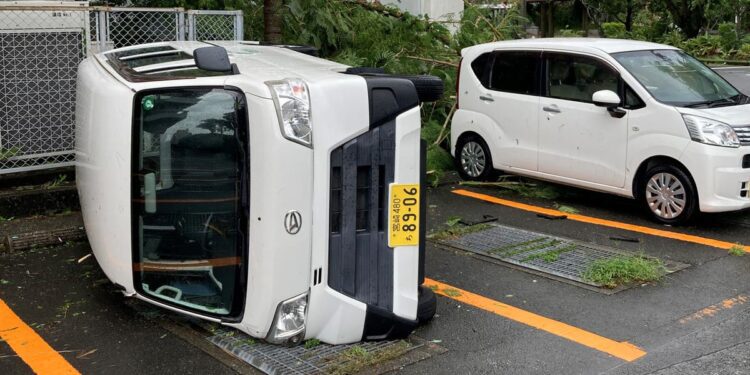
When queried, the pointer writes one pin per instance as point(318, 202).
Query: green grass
point(452, 292)
point(453, 221)
point(311, 343)
point(458, 231)
point(56, 182)
point(566, 209)
point(737, 250)
point(357, 358)
point(624, 269)
point(551, 255)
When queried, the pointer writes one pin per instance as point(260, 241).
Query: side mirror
point(214, 59)
point(605, 98)
point(610, 100)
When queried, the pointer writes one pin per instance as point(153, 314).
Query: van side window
point(515, 72)
point(632, 100)
point(479, 66)
point(578, 78)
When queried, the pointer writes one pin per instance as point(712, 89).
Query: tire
point(429, 88)
point(477, 159)
point(427, 305)
point(668, 194)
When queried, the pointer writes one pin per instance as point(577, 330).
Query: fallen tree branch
point(447, 63)
point(443, 134)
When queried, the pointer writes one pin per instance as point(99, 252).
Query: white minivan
point(257, 187)
point(631, 118)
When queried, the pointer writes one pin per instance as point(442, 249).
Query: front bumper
point(722, 181)
point(367, 290)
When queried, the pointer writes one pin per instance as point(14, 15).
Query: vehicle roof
point(605, 45)
point(259, 63)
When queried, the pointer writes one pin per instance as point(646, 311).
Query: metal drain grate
point(367, 358)
point(321, 359)
point(564, 258)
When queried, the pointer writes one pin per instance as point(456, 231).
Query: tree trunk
point(551, 19)
point(687, 15)
point(272, 20)
point(629, 16)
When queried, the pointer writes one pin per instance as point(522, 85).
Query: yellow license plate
point(403, 215)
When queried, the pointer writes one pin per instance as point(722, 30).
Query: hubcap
point(472, 159)
point(665, 195)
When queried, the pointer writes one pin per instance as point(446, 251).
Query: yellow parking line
point(623, 350)
point(30, 347)
point(603, 222)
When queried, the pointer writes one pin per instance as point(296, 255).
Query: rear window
point(479, 67)
point(515, 72)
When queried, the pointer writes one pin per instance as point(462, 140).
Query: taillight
point(458, 79)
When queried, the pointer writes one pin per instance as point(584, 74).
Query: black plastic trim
point(382, 324)
point(746, 161)
point(389, 97)
point(422, 208)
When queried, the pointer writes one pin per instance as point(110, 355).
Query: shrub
point(728, 37)
point(673, 38)
point(743, 53)
point(614, 30)
point(703, 46)
point(568, 33)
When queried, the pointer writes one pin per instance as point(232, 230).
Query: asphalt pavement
point(695, 321)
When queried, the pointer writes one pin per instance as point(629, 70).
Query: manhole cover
point(562, 258)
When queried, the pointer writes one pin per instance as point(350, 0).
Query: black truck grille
point(360, 263)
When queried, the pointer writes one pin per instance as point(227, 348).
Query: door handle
point(486, 98)
point(551, 109)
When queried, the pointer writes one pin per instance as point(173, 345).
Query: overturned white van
point(257, 186)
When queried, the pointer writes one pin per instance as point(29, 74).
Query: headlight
point(292, 101)
point(289, 322)
point(711, 132)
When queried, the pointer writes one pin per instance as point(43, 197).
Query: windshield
point(675, 78)
point(189, 180)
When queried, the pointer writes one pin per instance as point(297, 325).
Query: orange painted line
point(603, 222)
point(712, 310)
point(30, 347)
point(623, 350)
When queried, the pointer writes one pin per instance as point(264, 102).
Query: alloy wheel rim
point(665, 195)
point(473, 160)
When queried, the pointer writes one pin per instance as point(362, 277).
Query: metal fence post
point(191, 25)
point(239, 27)
point(102, 35)
point(180, 26)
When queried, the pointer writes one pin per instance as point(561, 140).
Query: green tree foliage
point(614, 30)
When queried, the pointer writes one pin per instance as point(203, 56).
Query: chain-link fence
point(40, 49)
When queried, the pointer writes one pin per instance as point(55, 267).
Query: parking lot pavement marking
point(30, 347)
point(603, 222)
point(623, 350)
point(713, 310)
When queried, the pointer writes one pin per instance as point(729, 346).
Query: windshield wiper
point(712, 103)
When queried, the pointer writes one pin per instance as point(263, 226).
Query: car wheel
point(427, 305)
point(668, 193)
point(473, 159)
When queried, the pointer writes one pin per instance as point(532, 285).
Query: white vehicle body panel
point(285, 176)
point(583, 145)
